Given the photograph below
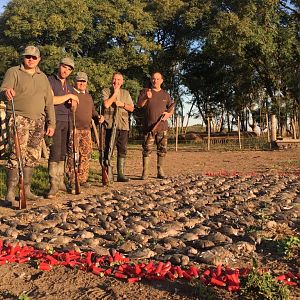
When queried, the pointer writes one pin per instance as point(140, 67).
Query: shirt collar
point(37, 69)
point(79, 92)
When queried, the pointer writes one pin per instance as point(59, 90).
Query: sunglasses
point(31, 56)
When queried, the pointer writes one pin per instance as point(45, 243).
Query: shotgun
point(100, 144)
point(99, 135)
point(75, 155)
point(155, 126)
point(22, 198)
point(111, 145)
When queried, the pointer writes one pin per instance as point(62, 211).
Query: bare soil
point(64, 283)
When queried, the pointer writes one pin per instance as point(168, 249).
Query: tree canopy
point(228, 56)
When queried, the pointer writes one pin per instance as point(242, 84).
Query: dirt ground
point(63, 283)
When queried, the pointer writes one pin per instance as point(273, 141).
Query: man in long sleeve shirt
point(85, 112)
point(30, 90)
point(64, 100)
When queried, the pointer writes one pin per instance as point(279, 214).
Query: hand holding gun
point(163, 117)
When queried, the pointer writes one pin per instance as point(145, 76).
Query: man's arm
point(62, 99)
point(108, 99)
point(128, 107)
point(49, 110)
point(144, 97)
point(7, 86)
point(170, 110)
point(127, 103)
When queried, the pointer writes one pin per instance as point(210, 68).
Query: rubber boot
point(11, 184)
point(120, 168)
point(146, 160)
point(110, 174)
point(61, 176)
point(54, 180)
point(27, 183)
point(160, 171)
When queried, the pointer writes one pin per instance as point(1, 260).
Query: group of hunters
point(38, 105)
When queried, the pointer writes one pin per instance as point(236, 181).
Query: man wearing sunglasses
point(30, 90)
point(64, 100)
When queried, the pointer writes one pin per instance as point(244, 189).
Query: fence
point(201, 142)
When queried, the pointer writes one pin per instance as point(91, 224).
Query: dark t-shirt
point(62, 111)
point(85, 111)
point(154, 108)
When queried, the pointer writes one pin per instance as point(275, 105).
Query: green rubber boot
point(160, 170)
point(120, 168)
point(27, 183)
point(146, 160)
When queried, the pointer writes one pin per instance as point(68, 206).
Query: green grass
point(39, 185)
point(205, 292)
point(289, 247)
point(23, 296)
point(40, 180)
point(262, 286)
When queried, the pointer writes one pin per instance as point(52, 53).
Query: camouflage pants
point(85, 149)
point(3, 131)
point(161, 140)
point(30, 134)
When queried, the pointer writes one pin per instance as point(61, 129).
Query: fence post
point(208, 133)
point(273, 130)
point(239, 132)
point(176, 135)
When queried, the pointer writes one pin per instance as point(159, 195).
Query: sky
point(2, 3)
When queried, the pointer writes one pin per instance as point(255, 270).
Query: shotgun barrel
point(75, 155)
point(112, 144)
point(22, 196)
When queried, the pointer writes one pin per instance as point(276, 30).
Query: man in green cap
point(30, 90)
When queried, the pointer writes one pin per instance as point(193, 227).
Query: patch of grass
point(288, 246)
point(205, 292)
point(39, 184)
point(23, 296)
point(253, 228)
point(293, 162)
point(95, 155)
point(94, 175)
point(287, 249)
point(2, 181)
point(259, 285)
point(123, 238)
point(40, 180)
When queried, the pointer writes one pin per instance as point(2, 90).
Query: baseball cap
point(81, 76)
point(31, 50)
point(68, 61)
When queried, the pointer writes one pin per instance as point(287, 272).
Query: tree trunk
point(189, 115)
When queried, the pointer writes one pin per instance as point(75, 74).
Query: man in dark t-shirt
point(156, 102)
point(64, 100)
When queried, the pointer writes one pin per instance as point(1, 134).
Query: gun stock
point(75, 156)
point(22, 196)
